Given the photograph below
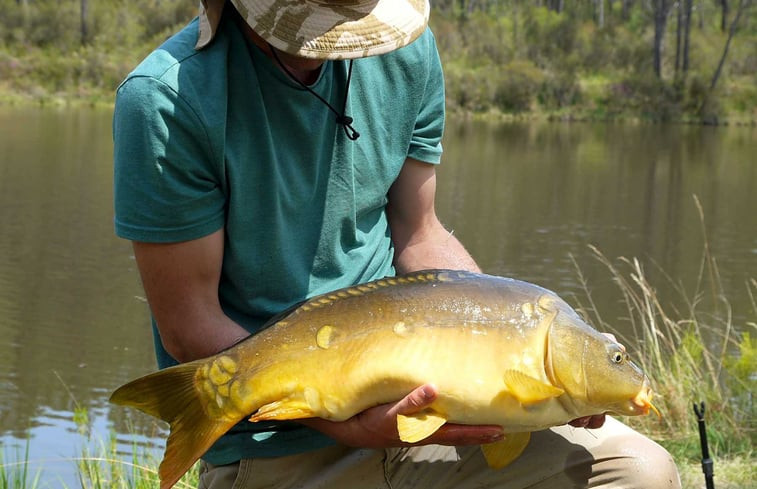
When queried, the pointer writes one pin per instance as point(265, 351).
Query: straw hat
point(325, 29)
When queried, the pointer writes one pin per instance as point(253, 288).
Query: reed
point(105, 468)
point(693, 352)
point(102, 467)
point(14, 472)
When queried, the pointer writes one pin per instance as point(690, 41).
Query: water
point(71, 316)
point(529, 199)
point(524, 198)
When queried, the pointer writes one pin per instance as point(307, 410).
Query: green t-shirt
point(222, 138)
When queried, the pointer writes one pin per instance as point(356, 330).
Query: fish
point(499, 350)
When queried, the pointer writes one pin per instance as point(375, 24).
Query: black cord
point(341, 118)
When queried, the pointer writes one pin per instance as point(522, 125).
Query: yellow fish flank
point(500, 351)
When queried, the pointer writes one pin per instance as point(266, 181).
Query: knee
point(636, 461)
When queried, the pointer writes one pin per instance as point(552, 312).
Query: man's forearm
point(438, 248)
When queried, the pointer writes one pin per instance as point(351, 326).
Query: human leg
point(336, 467)
point(611, 457)
point(564, 457)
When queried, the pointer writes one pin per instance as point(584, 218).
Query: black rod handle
point(707, 463)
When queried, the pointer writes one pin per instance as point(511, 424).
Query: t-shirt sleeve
point(426, 142)
point(167, 182)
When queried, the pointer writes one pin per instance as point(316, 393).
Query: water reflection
point(524, 198)
point(71, 323)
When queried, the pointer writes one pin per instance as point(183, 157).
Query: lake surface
point(526, 199)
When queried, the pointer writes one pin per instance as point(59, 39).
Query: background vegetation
point(690, 60)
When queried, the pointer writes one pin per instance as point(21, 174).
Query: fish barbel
point(500, 351)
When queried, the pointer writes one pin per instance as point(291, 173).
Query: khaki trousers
point(564, 457)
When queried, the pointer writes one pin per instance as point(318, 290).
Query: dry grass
point(693, 353)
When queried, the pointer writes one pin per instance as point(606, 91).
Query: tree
point(679, 35)
point(600, 15)
point(625, 9)
point(723, 15)
point(556, 5)
point(683, 30)
point(744, 5)
point(83, 9)
point(688, 6)
point(660, 11)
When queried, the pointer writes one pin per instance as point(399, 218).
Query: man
point(277, 149)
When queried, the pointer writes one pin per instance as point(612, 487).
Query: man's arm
point(181, 284)
point(420, 240)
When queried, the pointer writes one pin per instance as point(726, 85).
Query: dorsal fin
point(420, 276)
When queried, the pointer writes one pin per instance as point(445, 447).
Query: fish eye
point(618, 357)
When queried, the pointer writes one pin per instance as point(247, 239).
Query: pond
point(527, 199)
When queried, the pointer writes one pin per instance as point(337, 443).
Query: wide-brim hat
point(325, 29)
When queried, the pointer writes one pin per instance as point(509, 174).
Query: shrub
point(515, 86)
point(559, 90)
point(646, 95)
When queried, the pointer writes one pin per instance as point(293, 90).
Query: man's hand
point(592, 422)
point(377, 427)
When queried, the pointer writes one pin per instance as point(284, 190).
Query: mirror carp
point(500, 351)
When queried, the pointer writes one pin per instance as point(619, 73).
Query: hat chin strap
point(341, 117)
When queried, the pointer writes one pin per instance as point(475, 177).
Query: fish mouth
point(643, 400)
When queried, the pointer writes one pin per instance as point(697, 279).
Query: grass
point(692, 353)
point(100, 468)
point(107, 470)
point(15, 474)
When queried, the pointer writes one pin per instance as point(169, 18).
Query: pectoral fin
point(418, 426)
point(529, 390)
point(283, 409)
point(501, 454)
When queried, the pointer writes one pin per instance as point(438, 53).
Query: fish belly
point(338, 379)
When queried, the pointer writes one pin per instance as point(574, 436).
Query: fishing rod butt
point(708, 465)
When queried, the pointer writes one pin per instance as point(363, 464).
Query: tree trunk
point(600, 5)
point(743, 5)
point(24, 14)
point(556, 5)
point(688, 6)
point(625, 9)
point(661, 11)
point(679, 28)
point(84, 7)
point(723, 15)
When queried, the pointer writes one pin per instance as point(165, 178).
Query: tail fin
point(172, 395)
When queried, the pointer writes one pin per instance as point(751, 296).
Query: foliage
point(568, 50)
point(505, 56)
